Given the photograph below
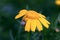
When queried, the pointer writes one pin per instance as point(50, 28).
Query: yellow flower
point(33, 20)
point(57, 2)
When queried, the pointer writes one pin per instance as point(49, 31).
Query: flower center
point(32, 15)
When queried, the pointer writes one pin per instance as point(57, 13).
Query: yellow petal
point(25, 18)
point(21, 13)
point(44, 22)
point(39, 25)
point(33, 25)
point(41, 15)
point(27, 26)
point(31, 13)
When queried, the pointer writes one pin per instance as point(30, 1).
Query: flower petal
point(27, 26)
point(39, 25)
point(25, 18)
point(33, 25)
point(44, 22)
point(41, 15)
point(21, 13)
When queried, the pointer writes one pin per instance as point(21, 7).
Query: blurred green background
point(11, 29)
